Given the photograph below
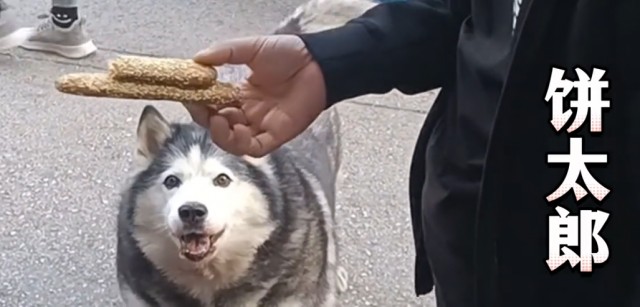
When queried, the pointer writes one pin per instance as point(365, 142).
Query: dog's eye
point(222, 180)
point(171, 182)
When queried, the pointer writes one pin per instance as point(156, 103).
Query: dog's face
point(197, 196)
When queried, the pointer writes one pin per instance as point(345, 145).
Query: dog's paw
point(342, 279)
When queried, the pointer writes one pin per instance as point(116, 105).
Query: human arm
point(408, 45)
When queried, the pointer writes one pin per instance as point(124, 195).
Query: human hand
point(283, 95)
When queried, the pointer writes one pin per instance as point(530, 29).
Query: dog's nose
point(192, 213)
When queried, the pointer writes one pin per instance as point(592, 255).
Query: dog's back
point(319, 151)
point(321, 143)
point(319, 15)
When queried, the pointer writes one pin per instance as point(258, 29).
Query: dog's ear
point(153, 130)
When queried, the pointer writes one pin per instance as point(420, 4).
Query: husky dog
point(200, 227)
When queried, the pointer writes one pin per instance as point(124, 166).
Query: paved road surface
point(62, 159)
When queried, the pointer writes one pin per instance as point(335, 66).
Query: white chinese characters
point(577, 162)
point(569, 232)
point(589, 101)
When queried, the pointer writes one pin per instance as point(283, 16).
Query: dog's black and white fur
point(199, 227)
point(264, 235)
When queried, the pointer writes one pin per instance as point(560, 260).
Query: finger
point(262, 144)
point(234, 116)
point(255, 112)
point(221, 133)
point(234, 51)
point(248, 91)
point(242, 136)
point(199, 114)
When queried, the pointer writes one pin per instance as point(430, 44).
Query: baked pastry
point(146, 78)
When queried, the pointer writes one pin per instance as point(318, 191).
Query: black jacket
point(411, 46)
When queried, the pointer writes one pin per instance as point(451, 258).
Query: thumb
point(234, 51)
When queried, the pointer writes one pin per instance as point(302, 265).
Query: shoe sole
point(72, 52)
point(15, 38)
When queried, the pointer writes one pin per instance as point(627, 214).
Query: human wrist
point(336, 56)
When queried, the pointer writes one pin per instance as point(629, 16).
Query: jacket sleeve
point(407, 45)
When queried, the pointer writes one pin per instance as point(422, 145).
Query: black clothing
point(479, 175)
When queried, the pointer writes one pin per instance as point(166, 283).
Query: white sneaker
point(72, 42)
point(11, 34)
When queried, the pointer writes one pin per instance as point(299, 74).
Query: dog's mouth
point(196, 246)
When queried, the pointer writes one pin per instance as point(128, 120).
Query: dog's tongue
point(195, 246)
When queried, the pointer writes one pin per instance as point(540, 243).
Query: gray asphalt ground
point(62, 158)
